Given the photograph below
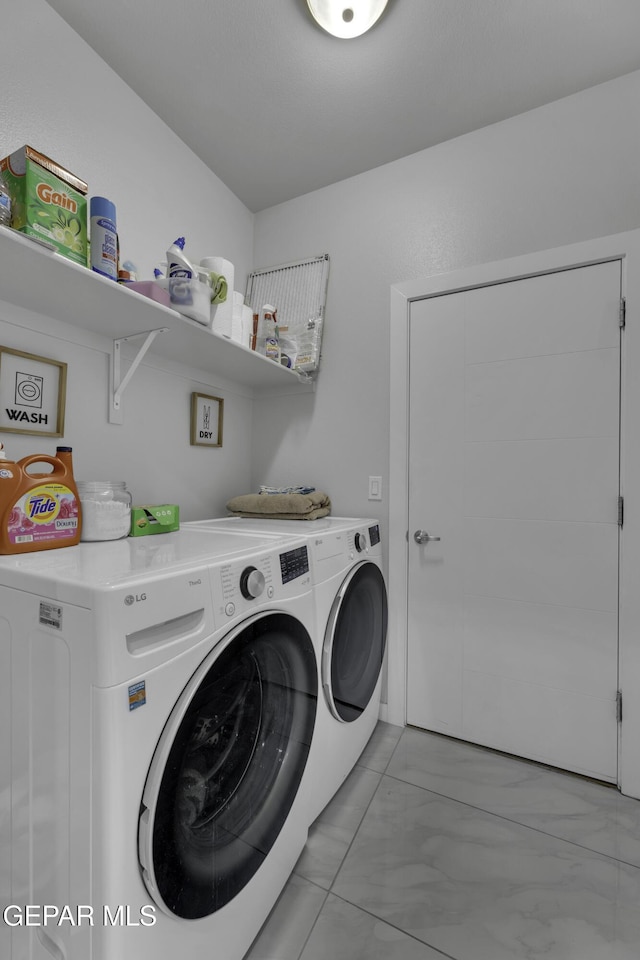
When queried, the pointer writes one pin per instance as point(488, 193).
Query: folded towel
point(301, 489)
point(281, 506)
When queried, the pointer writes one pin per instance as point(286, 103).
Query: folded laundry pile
point(281, 506)
point(303, 489)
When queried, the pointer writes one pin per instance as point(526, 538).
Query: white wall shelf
point(36, 278)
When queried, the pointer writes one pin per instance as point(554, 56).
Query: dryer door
point(355, 642)
point(228, 765)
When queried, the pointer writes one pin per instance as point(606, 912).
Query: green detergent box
point(47, 202)
point(159, 518)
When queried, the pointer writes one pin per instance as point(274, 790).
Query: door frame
point(626, 248)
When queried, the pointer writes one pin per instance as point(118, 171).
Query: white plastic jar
point(106, 509)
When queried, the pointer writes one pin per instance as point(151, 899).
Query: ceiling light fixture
point(346, 18)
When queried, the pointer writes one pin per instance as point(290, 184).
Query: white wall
point(60, 97)
point(562, 173)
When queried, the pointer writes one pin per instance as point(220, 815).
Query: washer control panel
point(294, 564)
point(240, 585)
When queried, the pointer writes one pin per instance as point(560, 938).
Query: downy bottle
point(38, 511)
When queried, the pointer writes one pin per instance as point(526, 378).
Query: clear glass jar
point(106, 509)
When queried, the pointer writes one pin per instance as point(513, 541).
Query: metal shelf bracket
point(118, 383)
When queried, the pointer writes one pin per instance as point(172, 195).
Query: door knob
point(421, 536)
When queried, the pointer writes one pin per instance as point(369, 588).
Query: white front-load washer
point(350, 600)
point(157, 705)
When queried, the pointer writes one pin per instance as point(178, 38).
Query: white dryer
point(351, 627)
point(157, 705)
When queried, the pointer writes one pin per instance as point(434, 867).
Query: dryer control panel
point(364, 541)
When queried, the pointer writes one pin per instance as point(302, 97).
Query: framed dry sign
point(32, 394)
point(206, 420)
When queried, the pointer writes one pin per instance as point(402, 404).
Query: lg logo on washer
point(131, 599)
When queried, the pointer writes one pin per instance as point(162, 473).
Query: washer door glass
point(355, 642)
point(228, 765)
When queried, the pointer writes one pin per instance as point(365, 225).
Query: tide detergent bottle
point(38, 511)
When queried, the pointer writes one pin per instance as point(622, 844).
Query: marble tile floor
point(437, 849)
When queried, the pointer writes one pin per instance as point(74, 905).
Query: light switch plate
point(375, 488)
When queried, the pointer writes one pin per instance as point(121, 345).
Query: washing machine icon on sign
point(29, 390)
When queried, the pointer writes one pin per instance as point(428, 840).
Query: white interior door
point(514, 463)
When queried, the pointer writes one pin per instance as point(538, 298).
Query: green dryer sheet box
point(159, 518)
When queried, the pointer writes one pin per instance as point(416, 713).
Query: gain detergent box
point(47, 202)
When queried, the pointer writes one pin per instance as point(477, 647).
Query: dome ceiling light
point(346, 18)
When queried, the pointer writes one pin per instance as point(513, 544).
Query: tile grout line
point(496, 816)
point(328, 890)
point(405, 933)
point(356, 906)
point(518, 823)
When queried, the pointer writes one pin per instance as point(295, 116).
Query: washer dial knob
point(360, 541)
point(251, 583)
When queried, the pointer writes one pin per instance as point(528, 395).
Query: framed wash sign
point(206, 420)
point(32, 394)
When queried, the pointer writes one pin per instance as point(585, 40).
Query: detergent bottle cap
point(179, 268)
point(4, 459)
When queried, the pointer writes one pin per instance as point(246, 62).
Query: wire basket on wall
point(298, 291)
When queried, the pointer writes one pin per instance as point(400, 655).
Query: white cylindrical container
point(106, 509)
point(104, 237)
point(236, 318)
point(247, 326)
point(221, 313)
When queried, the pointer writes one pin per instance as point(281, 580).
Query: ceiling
point(277, 108)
